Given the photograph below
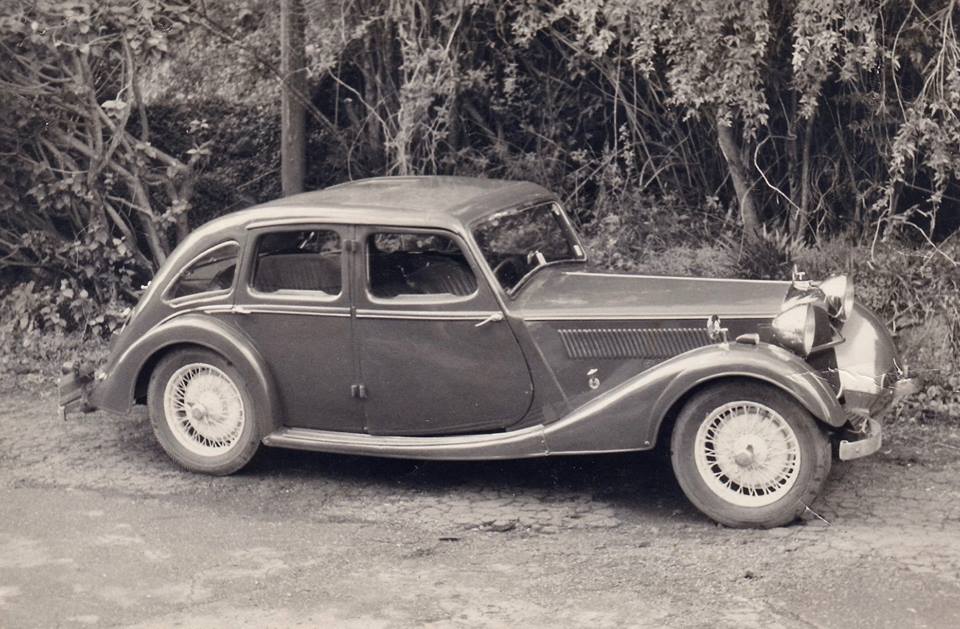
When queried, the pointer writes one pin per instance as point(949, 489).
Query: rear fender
point(629, 416)
point(116, 390)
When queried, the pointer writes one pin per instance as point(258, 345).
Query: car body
point(456, 318)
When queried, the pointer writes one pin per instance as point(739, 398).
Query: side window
point(211, 272)
point(401, 264)
point(304, 260)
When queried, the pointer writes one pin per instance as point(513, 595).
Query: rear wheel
point(748, 455)
point(202, 413)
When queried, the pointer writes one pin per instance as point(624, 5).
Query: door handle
point(496, 316)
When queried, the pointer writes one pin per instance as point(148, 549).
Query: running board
point(527, 442)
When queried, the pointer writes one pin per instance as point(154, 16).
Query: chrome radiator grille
point(632, 342)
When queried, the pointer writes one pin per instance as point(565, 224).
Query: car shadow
point(636, 481)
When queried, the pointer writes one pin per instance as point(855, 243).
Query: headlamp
point(795, 329)
point(838, 292)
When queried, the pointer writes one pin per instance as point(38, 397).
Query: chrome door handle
point(496, 316)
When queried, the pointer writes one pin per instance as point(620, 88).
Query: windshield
point(516, 243)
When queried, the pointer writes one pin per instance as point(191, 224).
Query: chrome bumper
point(867, 435)
point(867, 444)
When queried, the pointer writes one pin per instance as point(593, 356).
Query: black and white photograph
point(480, 313)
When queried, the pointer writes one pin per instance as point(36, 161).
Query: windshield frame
point(580, 252)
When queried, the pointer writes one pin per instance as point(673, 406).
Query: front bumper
point(865, 441)
point(72, 389)
point(865, 433)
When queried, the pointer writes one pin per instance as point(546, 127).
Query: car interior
point(299, 260)
point(417, 264)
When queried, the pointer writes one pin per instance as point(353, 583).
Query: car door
point(295, 305)
point(436, 355)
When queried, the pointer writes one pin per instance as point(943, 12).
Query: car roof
point(440, 201)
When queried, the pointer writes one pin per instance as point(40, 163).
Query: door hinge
point(358, 391)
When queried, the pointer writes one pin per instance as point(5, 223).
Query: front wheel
point(748, 455)
point(202, 413)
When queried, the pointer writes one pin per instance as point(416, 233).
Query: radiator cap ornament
point(715, 330)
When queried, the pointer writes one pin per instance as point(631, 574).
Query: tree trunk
point(292, 110)
point(741, 184)
point(803, 214)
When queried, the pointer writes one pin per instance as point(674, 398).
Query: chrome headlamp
point(796, 328)
point(838, 294)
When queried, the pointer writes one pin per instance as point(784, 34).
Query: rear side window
point(406, 264)
point(211, 272)
point(302, 260)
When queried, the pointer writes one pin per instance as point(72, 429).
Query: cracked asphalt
point(99, 528)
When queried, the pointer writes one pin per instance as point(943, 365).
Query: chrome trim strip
point(526, 442)
point(427, 315)
point(677, 277)
point(221, 308)
point(386, 441)
point(293, 309)
point(640, 317)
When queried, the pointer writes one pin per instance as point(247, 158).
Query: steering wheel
point(505, 268)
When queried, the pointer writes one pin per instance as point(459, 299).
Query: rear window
point(212, 272)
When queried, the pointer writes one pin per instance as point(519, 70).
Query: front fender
point(116, 390)
point(629, 416)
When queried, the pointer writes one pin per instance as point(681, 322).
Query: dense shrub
point(42, 327)
point(243, 167)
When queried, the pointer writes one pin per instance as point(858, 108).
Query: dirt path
point(97, 528)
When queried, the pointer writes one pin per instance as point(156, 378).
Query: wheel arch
point(127, 379)
point(669, 417)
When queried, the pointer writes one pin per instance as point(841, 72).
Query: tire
point(202, 412)
point(748, 455)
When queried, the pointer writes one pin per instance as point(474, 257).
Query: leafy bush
point(243, 167)
point(43, 326)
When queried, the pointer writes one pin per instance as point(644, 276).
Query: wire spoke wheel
point(747, 454)
point(203, 409)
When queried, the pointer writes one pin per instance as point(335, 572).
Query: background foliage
point(709, 137)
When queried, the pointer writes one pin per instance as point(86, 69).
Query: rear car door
point(295, 305)
point(436, 355)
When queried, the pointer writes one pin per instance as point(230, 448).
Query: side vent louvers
point(632, 342)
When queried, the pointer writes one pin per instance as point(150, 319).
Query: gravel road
point(98, 528)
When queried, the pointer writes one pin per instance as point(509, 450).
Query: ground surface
point(98, 528)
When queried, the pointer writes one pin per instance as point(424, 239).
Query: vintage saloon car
point(455, 318)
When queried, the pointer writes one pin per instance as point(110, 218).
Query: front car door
point(436, 355)
point(295, 305)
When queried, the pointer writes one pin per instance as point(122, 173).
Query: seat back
point(298, 271)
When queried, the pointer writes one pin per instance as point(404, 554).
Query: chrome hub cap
point(747, 454)
point(203, 409)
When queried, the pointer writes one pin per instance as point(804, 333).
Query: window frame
point(210, 295)
point(417, 299)
point(294, 294)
